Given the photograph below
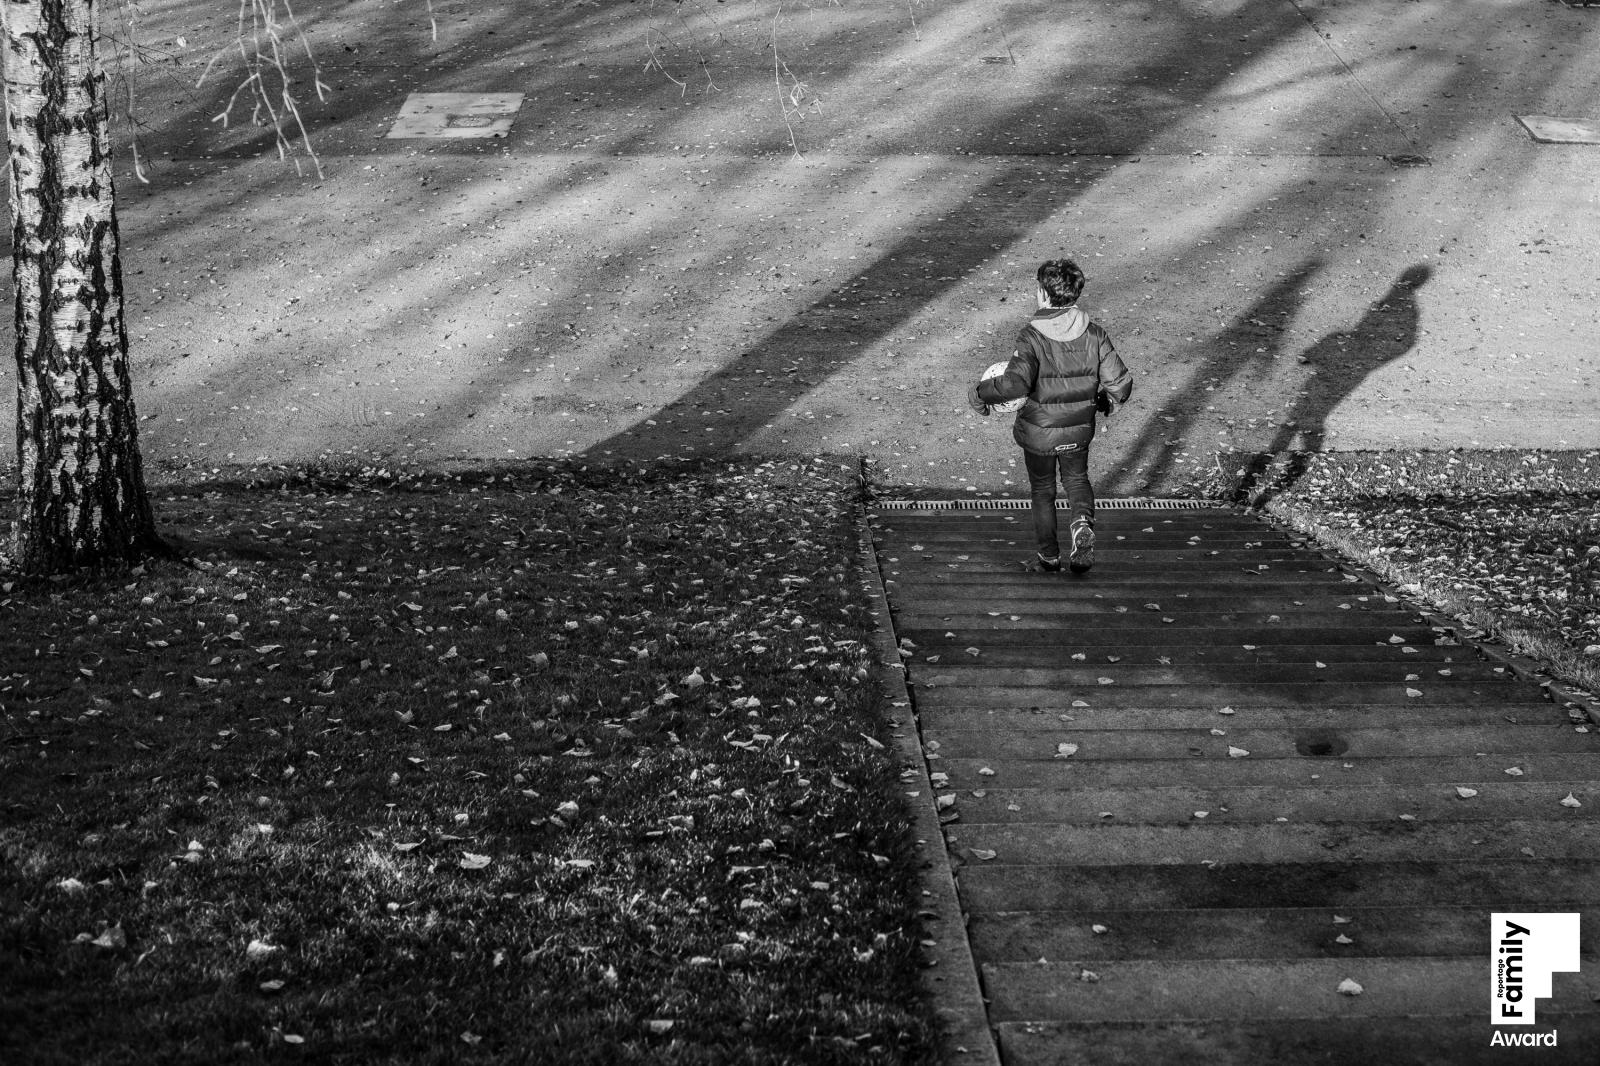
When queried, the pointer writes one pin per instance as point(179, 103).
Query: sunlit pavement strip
point(1223, 797)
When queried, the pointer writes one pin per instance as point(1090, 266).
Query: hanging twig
point(262, 45)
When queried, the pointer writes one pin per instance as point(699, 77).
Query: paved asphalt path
point(735, 226)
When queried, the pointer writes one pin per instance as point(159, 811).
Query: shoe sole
point(1082, 557)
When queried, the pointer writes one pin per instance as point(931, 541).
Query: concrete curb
point(949, 975)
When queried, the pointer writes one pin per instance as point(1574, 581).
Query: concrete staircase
point(1194, 791)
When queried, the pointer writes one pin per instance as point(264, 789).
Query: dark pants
point(1074, 467)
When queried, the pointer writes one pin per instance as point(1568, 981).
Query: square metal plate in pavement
point(450, 115)
point(1549, 130)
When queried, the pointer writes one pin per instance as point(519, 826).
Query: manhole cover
point(1547, 130)
point(449, 115)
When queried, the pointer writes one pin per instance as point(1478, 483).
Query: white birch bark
point(81, 498)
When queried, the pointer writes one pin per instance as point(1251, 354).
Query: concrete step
point(1002, 652)
point(1119, 573)
point(1108, 844)
point(1367, 634)
point(1199, 608)
point(1109, 557)
point(1211, 580)
point(1527, 798)
point(1022, 524)
point(1316, 729)
point(1133, 745)
point(1469, 879)
point(1254, 989)
point(936, 545)
point(964, 668)
point(1104, 522)
point(1409, 1040)
point(1223, 772)
point(936, 687)
point(1134, 521)
point(1034, 601)
point(1246, 933)
point(1074, 625)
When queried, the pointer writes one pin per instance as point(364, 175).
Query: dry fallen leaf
point(111, 938)
point(1065, 750)
point(983, 853)
point(1348, 987)
point(469, 861)
point(1465, 792)
point(260, 949)
point(1571, 801)
point(1236, 753)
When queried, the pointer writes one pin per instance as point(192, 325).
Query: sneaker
point(1049, 566)
point(1082, 557)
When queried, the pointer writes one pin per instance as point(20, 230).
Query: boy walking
point(1067, 369)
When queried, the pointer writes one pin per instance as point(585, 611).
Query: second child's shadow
point(1337, 364)
point(1340, 363)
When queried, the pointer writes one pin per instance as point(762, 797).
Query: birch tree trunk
point(81, 497)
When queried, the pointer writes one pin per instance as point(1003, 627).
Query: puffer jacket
point(1062, 361)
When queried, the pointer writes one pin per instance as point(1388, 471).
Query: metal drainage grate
point(1115, 504)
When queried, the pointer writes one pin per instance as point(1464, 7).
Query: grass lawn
point(560, 764)
point(1507, 541)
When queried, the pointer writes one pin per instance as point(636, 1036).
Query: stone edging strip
point(949, 975)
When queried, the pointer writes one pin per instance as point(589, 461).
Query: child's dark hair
point(1061, 281)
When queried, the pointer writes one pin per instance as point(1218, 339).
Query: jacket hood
point(1061, 323)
